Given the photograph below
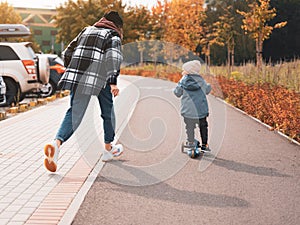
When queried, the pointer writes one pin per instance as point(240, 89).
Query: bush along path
point(273, 105)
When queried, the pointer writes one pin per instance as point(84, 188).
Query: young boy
point(193, 89)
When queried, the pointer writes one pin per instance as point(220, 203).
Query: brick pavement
point(28, 193)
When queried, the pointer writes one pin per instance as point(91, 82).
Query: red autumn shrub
point(273, 105)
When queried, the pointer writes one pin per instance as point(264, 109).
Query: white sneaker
point(107, 156)
point(117, 150)
point(51, 152)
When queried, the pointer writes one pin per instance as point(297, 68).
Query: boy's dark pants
point(190, 125)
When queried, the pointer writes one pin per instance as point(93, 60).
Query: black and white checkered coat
point(93, 59)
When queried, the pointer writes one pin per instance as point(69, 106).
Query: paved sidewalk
point(28, 193)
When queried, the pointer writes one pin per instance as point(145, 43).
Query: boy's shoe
point(51, 152)
point(205, 148)
point(190, 145)
point(117, 150)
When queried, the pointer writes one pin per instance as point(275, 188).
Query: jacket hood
point(192, 82)
point(104, 23)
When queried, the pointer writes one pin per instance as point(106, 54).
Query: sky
point(54, 3)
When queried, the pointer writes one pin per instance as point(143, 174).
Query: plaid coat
point(92, 59)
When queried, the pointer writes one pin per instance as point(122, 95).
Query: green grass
point(286, 74)
point(281, 74)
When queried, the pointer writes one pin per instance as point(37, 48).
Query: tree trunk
point(259, 44)
point(208, 54)
point(141, 57)
point(228, 61)
point(232, 53)
point(258, 64)
point(257, 52)
point(232, 57)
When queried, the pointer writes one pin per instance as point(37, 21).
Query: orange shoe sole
point(116, 156)
point(49, 164)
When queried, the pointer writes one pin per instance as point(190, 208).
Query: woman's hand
point(114, 90)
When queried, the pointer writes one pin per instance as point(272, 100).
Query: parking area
point(29, 103)
point(24, 71)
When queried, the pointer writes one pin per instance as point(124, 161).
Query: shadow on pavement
point(242, 167)
point(165, 192)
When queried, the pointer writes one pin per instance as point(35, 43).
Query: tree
point(8, 15)
point(218, 14)
point(207, 38)
point(226, 34)
point(73, 16)
point(255, 23)
point(158, 19)
point(183, 23)
point(137, 24)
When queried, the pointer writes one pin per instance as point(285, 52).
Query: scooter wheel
point(191, 153)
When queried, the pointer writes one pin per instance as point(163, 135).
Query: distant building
point(41, 24)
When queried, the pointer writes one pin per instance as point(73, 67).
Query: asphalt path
point(251, 176)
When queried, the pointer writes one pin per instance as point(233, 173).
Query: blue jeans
point(75, 113)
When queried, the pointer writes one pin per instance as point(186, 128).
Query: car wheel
point(12, 91)
point(48, 89)
point(22, 97)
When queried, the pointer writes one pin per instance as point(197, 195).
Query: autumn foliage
point(274, 105)
point(255, 23)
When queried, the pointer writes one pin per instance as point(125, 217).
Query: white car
point(23, 72)
point(2, 92)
